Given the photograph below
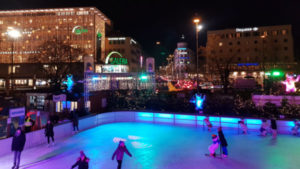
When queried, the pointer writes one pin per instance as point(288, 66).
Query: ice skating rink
point(157, 146)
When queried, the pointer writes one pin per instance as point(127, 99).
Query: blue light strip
point(185, 117)
point(253, 121)
point(229, 120)
point(142, 114)
point(163, 115)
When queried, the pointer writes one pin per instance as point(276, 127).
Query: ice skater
point(214, 146)
point(82, 162)
point(119, 153)
point(208, 123)
point(296, 127)
point(17, 146)
point(223, 143)
point(243, 126)
point(274, 128)
point(75, 122)
point(264, 127)
point(49, 133)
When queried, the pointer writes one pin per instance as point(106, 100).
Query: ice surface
point(157, 146)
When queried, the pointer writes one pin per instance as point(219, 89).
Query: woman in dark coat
point(17, 146)
point(274, 127)
point(49, 132)
point(120, 153)
point(82, 161)
point(223, 142)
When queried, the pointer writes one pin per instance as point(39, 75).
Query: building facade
point(81, 28)
point(184, 61)
point(127, 48)
point(251, 51)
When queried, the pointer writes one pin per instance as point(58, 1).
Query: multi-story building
point(184, 61)
point(83, 28)
point(251, 51)
point(127, 50)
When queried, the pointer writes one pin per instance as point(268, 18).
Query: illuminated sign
point(118, 38)
point(78, 30)
point(247, 64)
point(115, 60)
point(246, 29)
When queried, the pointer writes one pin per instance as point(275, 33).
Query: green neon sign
point(115, 60)
point(78, 30)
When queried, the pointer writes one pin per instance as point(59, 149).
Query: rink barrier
point(64, 130)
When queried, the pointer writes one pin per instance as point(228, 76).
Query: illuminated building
point(128, 49)
point(82, 27)
point(184, 61)
point(254, 50)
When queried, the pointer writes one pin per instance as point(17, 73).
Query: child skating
point(264, 127)
point(214, 146)
point(243, 126)
point(223, 143)
point(119, 153)
point(274, 128)
point(208, 123)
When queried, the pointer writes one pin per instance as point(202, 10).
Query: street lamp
point(198, 28)
point(13, 34)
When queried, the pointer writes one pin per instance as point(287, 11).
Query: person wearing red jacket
point(119, 153)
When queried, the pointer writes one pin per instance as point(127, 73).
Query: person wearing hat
point(214, 146)
point(223, 142)
point(119, 153)
point(17, 146)
point(82, 162)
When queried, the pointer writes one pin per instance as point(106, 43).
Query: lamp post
point(13, 34)
point(198, 28)
point(263, 55)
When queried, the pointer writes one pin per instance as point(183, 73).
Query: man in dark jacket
point(17, 146)
point(82, 162)
point(223, 142)
point(49, 132)
point(120, 153)
point(75, 121)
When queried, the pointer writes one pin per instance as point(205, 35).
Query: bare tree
point(56, 59)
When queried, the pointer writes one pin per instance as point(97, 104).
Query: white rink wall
point(65, 130)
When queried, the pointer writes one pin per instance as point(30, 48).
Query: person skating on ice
point(274, 128)
point(243, 126)
point(49, 133)
point(264, 127)
point(223, 142)
point(214, 146)
point(82, 162)
point(208, 123)
point(119, 153)
point(17, 146)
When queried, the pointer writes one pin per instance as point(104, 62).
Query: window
point(230, 50)
point(285, 40)
point(284, 32)
point(255, 33)
point(239, 50)
point(255, 49)
point(255, 42)
point(274, 33)
point(230, 43)
point(275, 40)
point(220, 44)
point(222, 36)
point(221, 51)
point(238, 35)
point(285, 48)
point(247, 34)
point(238, 42)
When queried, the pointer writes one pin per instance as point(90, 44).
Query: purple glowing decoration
point(290, 83)
point(198, 100)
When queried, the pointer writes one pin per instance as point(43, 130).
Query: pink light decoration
point(290, 83)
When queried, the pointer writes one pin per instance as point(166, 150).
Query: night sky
point(149, 21)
